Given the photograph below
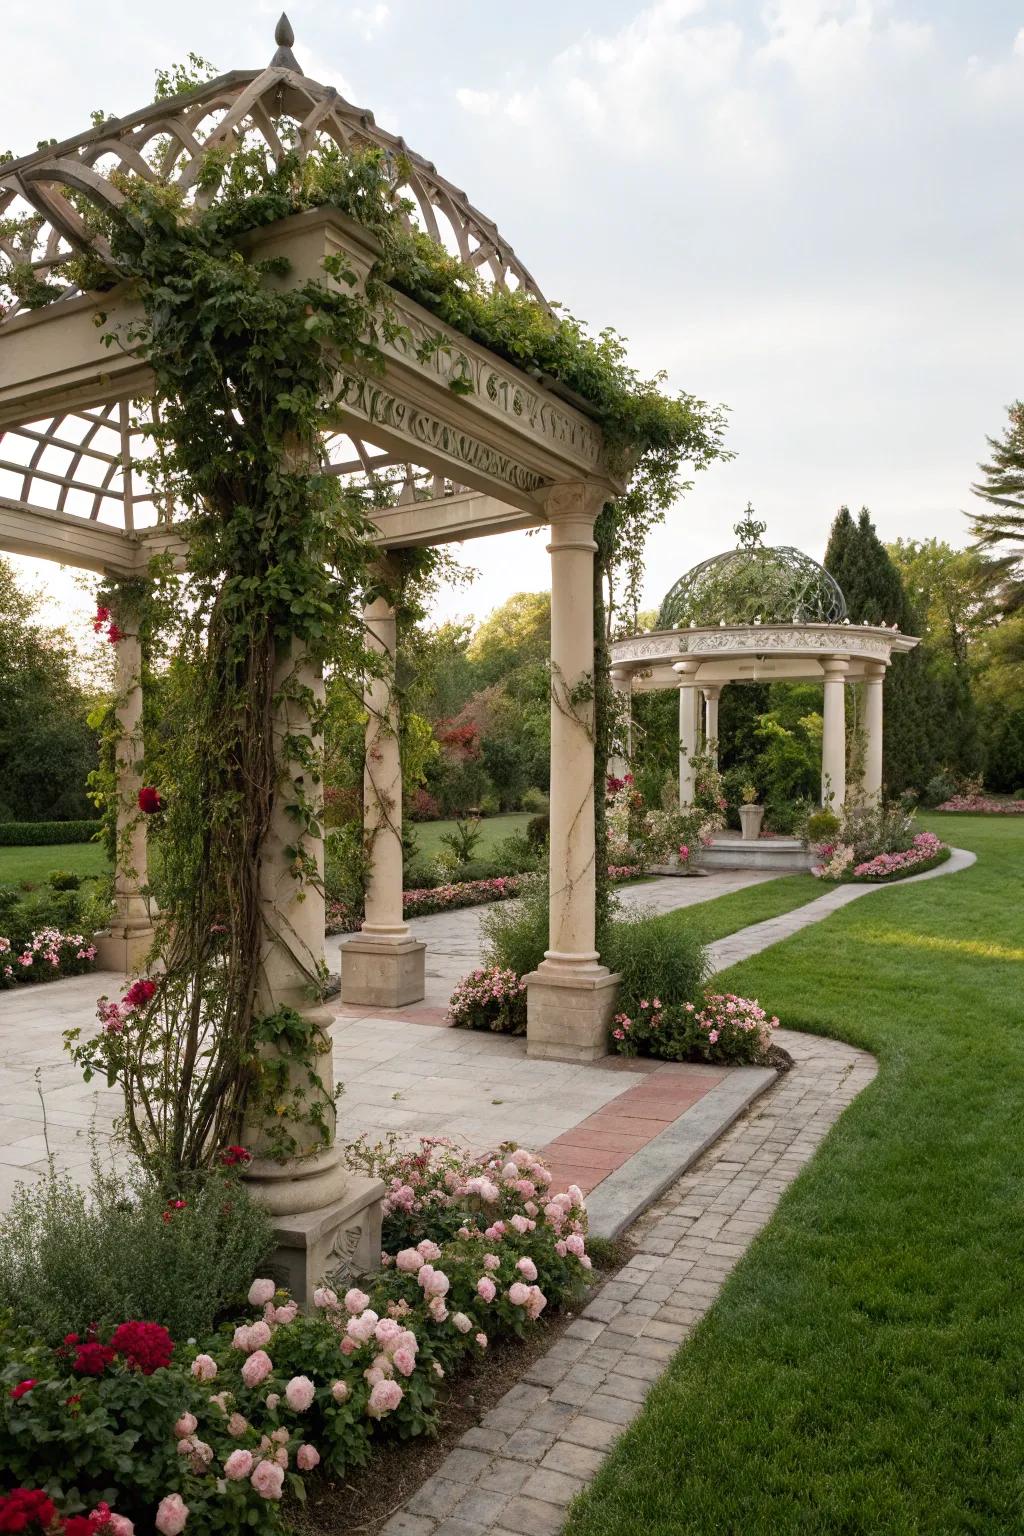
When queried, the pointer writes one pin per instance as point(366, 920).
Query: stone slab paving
point(516, 1472)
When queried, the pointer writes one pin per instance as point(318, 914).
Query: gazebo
point(759, 613)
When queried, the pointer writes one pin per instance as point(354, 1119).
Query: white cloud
point(370, 19)
point(479, 103)
point(827, 43)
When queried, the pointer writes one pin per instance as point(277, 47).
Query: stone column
point(833, 744)
point(124, 946)
point(873, 686)
point(622, 754)
point(383, 966)
point(689, 729)
point(571, 995)
point(327, 1220)
point(711, 698)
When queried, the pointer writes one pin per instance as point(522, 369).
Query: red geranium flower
point(23, 1387)
point(231, 1157)
point(114, 634)
point(150, 801)
point(92, 1359)
point(140, 992)
point(102, 617)
point(147, 1346)
point(26, 1506)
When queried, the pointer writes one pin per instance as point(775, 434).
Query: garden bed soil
point(362, 1503)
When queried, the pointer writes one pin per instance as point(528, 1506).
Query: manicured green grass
point(34, 864)
point(493, 830)
point(863, 1369)
point(753, 904)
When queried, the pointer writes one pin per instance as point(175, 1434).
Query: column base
point(336, 1244)
point(123, 949)
point(383, 973)
point(569, 1011)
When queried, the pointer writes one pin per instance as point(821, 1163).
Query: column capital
point(570, 508)
point(835, 667)
point(874, 671)
point(684, 670)
point(714, 691)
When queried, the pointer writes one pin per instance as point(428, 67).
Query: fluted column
point(833, 744)
point(571, 995)
point(711, 698)
point(873, 710)
point(124, 946)
point(689, 729)
point(383, 965)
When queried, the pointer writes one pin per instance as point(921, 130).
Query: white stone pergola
point(513, 452)
point(700, 661)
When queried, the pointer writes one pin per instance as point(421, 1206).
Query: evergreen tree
point(1001, 525)
point(915, 742)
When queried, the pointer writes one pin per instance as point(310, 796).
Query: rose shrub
point(211, 1437)
point(490, 999)
point(726, 1028)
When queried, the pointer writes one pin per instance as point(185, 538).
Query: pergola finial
point(284, 37)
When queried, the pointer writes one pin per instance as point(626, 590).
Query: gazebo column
point(833, 743)
point(873, 709)
point(383, 966)
point(711, 698)
point(327, 1220)
point(622, 754)
point(125, 944)
point(571, 995)
point(689, 729)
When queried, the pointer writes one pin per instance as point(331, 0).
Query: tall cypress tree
point(874, 592)
point(1001, 526)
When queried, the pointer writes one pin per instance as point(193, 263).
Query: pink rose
point(339, 1391)
point(384, 1398)
point(428, 1251)
point(268, 1479)
point(273, 1398)
point(437, 1309)
point(307, 1457)
point(186, 1425)
point(387, 1331)
point(486, 1288)
point(575, 1244)
point(481, 1339)
point(348, 1346)
point(361, 1328)
point(237, 1426)
point(519, 1294)
point(323, 1296)
point(261, 1291)
point(171, 1515)
point(238, 1465)
point(204, 1368)
point(462, 1322)
point(356, 1301)
point(257, 1368)
point(299, 1393)
point(527, 1268)
point(119, 1525)
point(259, 1334)
point(409, 1261)
point(286, 1314)
point(434, 1281)
point(405, 1361)
point(491, 1261)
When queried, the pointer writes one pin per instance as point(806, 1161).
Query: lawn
point(493, 830)
point(863, 1369)
point(34, 864)
point(753, 904)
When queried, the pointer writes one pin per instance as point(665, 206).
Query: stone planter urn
point(751, 817)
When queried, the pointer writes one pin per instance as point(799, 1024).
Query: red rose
point(92, 1359)
point(147, 1346)
point(140, 992)
point(231, 1157)
point(150, 801)
point(22, 1388)
point(26, 1506)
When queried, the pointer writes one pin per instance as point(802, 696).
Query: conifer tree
point(1001, 526)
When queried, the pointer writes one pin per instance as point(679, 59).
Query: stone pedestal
point(334, 1244)
point(124, 948)
point(751, 817)
point(382, 973)
point(570, 1011)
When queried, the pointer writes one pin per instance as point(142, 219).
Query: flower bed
point(726, 1028)
point(982, 804)
point(925, 852)
point(490, 999)
point(211, 1434)
point(342, 918)
point(47, 956)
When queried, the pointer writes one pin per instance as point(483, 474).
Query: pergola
point(511, 452)
point(761, 614)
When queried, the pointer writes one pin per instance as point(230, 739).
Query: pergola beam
point(70, 540)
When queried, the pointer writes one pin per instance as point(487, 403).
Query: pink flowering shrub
point(926, 852)
point(983, 804)
point(48, 955)
point(725, 1028)
point(492, 999)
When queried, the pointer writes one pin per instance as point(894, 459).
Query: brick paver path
point(516, 1472)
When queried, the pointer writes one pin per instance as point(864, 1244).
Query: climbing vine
point(279, 563)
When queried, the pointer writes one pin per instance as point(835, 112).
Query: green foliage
point(822, 827)
point(29, 834)
point(1000, 527)
point(463, 840)
point(515, 934)
point(654, 961)
point(72, 1256)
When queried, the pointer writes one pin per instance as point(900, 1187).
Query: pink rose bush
point(490, 999)
point(725, 1028)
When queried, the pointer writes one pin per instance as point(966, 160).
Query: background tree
point(1001, 526)
point(47, 748)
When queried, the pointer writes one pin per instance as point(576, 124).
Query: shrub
point(462, 842)
point(822, 827)
point(71, 1257)
point(515, 937)
point(45, 956)
point(654, 958)
point(423, 806)
point(926, 852)
point(490, 999)
point(725, 1028)
point(534, 800)
point(64, 880)
point(28, 834)
point(538, 829)
point(938, 788)
point(1018, 794)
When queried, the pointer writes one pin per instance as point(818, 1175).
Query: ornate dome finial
point(284, 37)
point(749, 530)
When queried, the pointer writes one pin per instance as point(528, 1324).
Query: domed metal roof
point(775, 585)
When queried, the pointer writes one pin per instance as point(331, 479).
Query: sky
point(808, 210)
